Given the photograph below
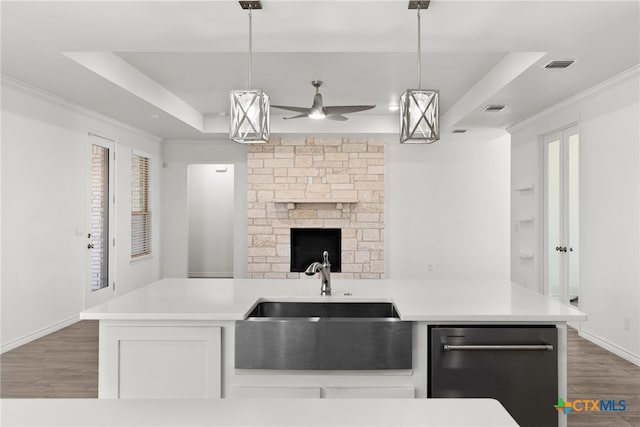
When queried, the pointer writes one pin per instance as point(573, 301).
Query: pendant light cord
point(419, 52)
point(250, 47)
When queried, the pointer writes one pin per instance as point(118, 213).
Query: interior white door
point(210, 203)
point(100, 219)
point(561, 223)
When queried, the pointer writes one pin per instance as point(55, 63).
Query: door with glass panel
point(561, 225)
point(99, 234)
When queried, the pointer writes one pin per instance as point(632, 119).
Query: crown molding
point(593, 90)
point(71, 106)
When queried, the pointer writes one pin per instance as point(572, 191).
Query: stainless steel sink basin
point(323, 336)
point(325, 309)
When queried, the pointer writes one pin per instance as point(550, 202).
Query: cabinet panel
point(160, 362)
point(369, 392)
point(162, 369)
point(276, 392)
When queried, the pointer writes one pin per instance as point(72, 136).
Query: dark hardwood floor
point(65, 365)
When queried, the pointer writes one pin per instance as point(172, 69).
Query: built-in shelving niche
point(525, 189)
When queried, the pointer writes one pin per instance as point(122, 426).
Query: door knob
point(563, 249)
point(570, 249)
point(557, 248)
point(90, 246)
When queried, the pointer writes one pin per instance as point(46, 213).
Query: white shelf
point(524, 188)
point(291, 203)
point(524, 255)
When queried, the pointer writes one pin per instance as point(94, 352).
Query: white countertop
point(415, 300)
point(256, 412)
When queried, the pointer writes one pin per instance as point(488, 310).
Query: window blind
point(140, 212)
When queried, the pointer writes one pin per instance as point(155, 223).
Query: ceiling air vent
point(459, 131)
point(494, 108)
point(560, 64)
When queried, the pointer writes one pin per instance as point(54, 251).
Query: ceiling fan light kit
point(419, 108)
point(249, 115)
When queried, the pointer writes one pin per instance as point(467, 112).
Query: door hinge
point(114, 156)
point(114, 286)
point(114, 241)
point(114, 198)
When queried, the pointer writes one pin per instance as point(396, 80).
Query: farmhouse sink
point(379, 310)
point(323, 336)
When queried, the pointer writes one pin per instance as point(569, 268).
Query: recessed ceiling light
point(494, 108)
point(560, 64)
point(394, 107)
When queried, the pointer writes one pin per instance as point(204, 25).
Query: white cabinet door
point(156, 362)
point(276, 392)
point(369, 393)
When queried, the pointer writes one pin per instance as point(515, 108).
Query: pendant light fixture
point(419, 111)
point(249, 117)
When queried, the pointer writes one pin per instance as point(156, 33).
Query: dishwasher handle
point(498, 347)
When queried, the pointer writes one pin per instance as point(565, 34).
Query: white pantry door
point(561, 215)
point(100, 219)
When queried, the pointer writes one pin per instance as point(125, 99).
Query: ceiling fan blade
point(337, 117)
point(296, 117)
point(296, 109)
point(344, 109)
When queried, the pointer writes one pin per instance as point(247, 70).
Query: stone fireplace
point(316, 183)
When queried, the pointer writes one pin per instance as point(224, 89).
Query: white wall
point(211, 212)
point(447, 206)
point(178, 155)
point(43, 211)
point(609, 123)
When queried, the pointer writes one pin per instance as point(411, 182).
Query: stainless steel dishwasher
point(517, 365)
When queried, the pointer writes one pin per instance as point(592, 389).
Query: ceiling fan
point(318, 111)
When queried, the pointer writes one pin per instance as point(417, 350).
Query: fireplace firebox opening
point(307, 245)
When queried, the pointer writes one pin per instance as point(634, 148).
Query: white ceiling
point(363, 50)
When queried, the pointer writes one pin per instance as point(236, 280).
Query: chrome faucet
point(325, 273)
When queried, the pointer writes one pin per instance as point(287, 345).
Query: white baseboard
point(38, 334)
point(610, 347)
point(210, 275)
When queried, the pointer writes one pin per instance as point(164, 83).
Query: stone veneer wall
point(353, 168)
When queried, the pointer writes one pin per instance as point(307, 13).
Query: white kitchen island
point(175, 338)
point(255, 413)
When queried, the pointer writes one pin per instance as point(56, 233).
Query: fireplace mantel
point(291, 203)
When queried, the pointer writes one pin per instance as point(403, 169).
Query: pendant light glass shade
point(419, 122)
point(249, 118)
